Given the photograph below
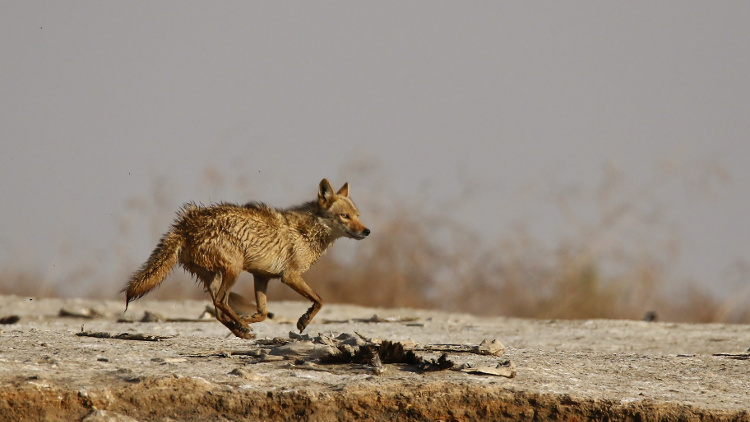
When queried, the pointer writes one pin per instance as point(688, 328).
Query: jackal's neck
point(314, 228)
point(318, 237)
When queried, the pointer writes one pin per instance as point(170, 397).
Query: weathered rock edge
point(190, 399)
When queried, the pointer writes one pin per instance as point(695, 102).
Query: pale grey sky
point(99, 99)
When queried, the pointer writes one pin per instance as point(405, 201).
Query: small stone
point(10, 319)
point(492, 348)
point(86, 313)
point(302, 337)
point(149, 316)
point(377, 365)
point(504, 369)
point(294, 349)
point(351, 340)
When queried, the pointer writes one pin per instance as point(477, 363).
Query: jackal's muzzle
point(359, 235)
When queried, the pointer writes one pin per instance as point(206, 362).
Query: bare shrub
point(24, 281)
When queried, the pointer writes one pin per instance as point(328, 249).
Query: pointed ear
point(325, 193)
point(344, 191)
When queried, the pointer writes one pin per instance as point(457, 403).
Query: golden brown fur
point(218, 242)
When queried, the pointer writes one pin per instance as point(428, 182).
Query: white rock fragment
point(490, 348)
point(504, 369)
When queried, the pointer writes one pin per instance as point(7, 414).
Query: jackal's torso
point(266, 241)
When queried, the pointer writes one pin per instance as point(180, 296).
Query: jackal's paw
point(256, 317)
point(242, 331)
point(302, 322)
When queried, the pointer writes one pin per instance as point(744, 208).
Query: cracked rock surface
point(184, 366)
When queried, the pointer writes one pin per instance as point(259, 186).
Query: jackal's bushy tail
point(157, 268)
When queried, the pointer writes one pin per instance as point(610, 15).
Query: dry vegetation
point(614, 263)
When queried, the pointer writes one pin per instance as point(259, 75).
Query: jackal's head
point(341, 212)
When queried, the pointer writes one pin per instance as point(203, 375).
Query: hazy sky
point(100, 99)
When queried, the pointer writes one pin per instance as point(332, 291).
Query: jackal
point(216, 243)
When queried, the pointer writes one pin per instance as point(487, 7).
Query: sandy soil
point(565, 370)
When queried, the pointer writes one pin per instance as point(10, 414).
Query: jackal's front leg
point(296, 282)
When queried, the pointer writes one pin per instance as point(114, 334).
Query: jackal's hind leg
point(219, 288)
point(296, 282)
point(261, 285)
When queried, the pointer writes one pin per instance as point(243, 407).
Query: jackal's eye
point(345, 216)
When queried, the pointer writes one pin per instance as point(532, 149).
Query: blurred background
point(536, 159)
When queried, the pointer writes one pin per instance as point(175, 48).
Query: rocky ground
point(69, 360)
